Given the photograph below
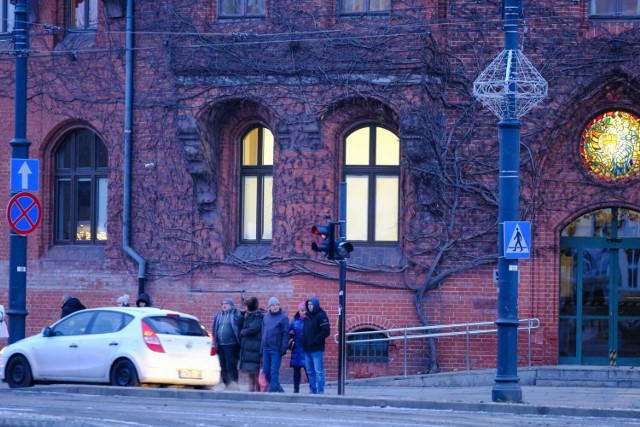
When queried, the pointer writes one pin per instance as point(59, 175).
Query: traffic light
point(326, 241)
point(342, 250)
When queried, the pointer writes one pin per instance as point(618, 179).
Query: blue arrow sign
point(25, 175)
point(517, 239)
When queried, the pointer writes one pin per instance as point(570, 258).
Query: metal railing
point(440, 331)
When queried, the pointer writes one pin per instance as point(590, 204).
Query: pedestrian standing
point(123, 301)
point(297, 362)
point(315, 331)
point(275, 335)
point(144, 300)
point(226, 327)
point(70, 305)
point(250, 340)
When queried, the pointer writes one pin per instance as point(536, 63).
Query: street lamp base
point(506, 392)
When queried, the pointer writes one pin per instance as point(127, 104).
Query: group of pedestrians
point(71, 304)
point(254, 341)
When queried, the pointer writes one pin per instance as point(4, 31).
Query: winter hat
point(228, 301)
point(301, 306)
point(274, 301)
point(124, 299)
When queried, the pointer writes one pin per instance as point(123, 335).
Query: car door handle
point(74, 346)
point(113, 343)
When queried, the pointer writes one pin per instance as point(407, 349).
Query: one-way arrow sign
point(25, 175)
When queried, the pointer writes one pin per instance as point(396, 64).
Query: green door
point(599, 320)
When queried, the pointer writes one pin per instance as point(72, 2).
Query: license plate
point(190, 374)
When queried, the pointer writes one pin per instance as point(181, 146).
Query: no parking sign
point(24, 213)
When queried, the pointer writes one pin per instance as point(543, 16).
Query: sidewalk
point(570, 401)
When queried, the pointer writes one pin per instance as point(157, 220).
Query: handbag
point(262, 381)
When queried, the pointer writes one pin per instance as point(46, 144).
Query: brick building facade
point(245, 118)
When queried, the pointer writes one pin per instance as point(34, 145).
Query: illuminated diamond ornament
point(510, 86)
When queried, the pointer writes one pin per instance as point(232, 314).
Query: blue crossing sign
point(517, 239)
point(25, 175)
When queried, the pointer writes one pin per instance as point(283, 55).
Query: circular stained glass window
point(610, 146)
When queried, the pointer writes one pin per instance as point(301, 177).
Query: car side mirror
point(46, 332)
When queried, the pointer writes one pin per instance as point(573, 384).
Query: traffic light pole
point(19, 150)
point(342, 294)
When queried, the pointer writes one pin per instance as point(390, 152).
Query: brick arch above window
point(369, 321)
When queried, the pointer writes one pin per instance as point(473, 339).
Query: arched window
point(81, 168)
point(367, 346)
point(372, 174)
point(256, 183)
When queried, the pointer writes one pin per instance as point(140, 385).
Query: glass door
point(599, 311)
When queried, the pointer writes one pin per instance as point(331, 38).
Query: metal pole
point(507, 387)
point(19, 150)
point(342, 295)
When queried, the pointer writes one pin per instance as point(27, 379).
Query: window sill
point(74, 253)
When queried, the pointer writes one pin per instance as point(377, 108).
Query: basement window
point(364, 347)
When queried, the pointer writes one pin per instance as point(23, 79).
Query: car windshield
point(175, 325)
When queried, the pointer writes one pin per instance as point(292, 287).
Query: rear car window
point(175, 325)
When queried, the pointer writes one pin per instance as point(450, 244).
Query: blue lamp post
point(509, 87)
point(19, 150)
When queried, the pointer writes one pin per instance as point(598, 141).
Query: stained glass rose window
point(610, 146)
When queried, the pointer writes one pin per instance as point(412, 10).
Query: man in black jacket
point(316, 329)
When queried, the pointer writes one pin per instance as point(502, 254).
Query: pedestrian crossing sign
point(517, 239)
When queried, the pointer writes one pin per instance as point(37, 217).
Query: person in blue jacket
point(297, 362)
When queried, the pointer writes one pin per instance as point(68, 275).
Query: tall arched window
point(256, 183)
point(372, 174)
point(81, 169)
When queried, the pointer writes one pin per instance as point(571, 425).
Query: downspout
point(128, 115)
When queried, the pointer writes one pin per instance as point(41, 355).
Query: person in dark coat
point(297, 362)
point(315, 331)
point(70, 305)
point(250, 338)
point(144, 300)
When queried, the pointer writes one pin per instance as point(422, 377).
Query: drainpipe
point(128, 115)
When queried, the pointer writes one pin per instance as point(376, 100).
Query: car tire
point(18, 372)
point(124, 374)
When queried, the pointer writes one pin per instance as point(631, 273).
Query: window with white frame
point(81, 169)
point(256, 185)
point(82, 15)
point(241, 8)
point(349, 7)
point(372, 174)
point(7, 16)
point(614, 8)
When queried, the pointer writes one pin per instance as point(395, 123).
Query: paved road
point(63, 406)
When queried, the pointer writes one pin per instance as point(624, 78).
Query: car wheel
point(18, 373)
point(124, 374)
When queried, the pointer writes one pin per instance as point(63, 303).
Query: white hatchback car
point(122, 346)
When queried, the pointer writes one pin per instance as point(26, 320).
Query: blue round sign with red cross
point(24, 213)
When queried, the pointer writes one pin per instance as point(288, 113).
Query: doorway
point(599, 321)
